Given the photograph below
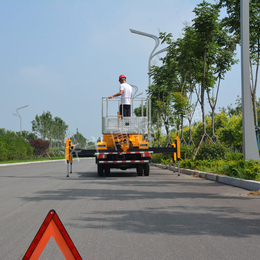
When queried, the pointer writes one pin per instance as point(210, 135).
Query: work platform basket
point(114, 123)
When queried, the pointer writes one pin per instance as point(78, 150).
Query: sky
point(63, 56)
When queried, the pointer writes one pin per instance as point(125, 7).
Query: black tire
point(100, 170)
point(107, 170)
point(140, 169)
point(147, 169)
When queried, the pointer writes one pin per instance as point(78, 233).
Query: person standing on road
point(125, 91)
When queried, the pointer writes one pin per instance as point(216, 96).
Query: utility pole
point(250, 148)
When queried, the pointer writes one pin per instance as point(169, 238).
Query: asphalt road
point(123, 216)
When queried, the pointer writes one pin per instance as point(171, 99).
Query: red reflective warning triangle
point(52, 227)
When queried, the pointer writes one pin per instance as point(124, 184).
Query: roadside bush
point(186, 151)
point(160, 158)
point(249, 169)
point(156, 158)
point(211, 152)
point(188, 164)
point(40, 147)
point(12, 147)
point(52, 154)
point(56, 153)
point(234, 156)
point(4, 153)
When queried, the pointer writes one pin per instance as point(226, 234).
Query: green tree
point(231, 134)
point(181, 107)
point(43, 125)
point(189, 64)
point(90, 145)
point(221, 120)
point(223, 61)
point(161, 97)
point(180, 53)
point(206, 26)
point(161, 102)
point(79, 140)
point(49, 128)
point(169, 92)
point(28, 136)
point(59, 129)
point(138, 111)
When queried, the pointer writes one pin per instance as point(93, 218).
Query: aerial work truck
point(124, 144)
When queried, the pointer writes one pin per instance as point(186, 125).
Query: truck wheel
point(100, 170)
point(139, 169)
point(146, 169)
point(107, 171)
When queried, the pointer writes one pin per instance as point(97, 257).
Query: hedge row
point(216, 159)
point(13, 147)
point(249, 169)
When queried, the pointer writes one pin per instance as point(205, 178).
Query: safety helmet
point(122, 76)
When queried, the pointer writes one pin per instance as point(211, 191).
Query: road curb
point(24, 163)
point(241, 183)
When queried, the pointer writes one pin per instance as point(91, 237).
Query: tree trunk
point(182, 127)
point(178, 128)
point(190, 131)
point(203, 92)
point(167, 132)
point(203, 118)
point(255, 109)
point(213, 120)
point(159, 142)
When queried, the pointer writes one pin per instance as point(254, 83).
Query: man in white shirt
point(125, 91)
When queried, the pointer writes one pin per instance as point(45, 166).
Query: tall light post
point(250, 148)
point(20, 117)
point(157, 42)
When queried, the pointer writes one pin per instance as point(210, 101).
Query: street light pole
point(250, 148)
point(20, 117)
point(157, 42)
point(160, 51)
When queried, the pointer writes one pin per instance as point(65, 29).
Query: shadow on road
point(114, 174)
point(184, 221)
point(152, 205)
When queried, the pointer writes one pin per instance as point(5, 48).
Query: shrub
point(188, 164)
point(234, 156)
point(3, 150)
point(237, 168)
point(241, 169)
point(13, 147)
point(55, 153)
point(159, 157)
point(211, 152)
point(40, 147)
point(156, 158)
point(186, 151)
